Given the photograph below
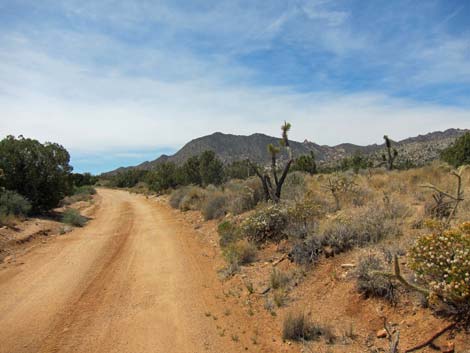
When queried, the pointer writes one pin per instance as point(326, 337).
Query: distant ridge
point(420, 149)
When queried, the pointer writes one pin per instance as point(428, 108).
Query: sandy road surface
point(132, 280)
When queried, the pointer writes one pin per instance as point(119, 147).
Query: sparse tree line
point(35, 177)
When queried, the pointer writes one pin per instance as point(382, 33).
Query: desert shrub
point(266, 224)
point(84, 190)
point(307, 251)
point(367, 225)
point(256, 188)
point(240, 197)
point(192, 199)
point(298, 327)
point(240, 252)
point(73, 217)
point(176, 197)
point(294, 187)
point(302, 219)
point(278, 279)
point(371, 284)
point(442, 260)
point(214, 206)
point(228, 233)
point(13, 204)
point(360, 196)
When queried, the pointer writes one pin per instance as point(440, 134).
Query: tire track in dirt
point(133, 280)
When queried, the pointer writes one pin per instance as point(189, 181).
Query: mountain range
point(420, 149)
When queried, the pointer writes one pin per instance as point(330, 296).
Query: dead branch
point(393, 337)
point(398, 276)
point(431, 339)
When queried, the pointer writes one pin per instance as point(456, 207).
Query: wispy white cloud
point(136, 76)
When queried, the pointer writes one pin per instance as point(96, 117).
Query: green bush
point(39, 172)
point(211, 169)
point(459, 153)
point(13, 204)
point(266, 224)
point(228, 233)
point(214, 206)
point(442, 260)
point(73, 217)
point(84, 190)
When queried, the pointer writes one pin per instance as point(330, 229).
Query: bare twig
point(398, 276)
point(431, 339)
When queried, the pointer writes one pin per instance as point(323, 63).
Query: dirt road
point(133, 280)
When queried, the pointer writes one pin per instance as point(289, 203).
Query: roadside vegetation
point(36, 178)
point(384, 205)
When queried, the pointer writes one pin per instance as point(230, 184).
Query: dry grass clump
point(298, 327)
point(241, 252)
point(214, 205)
point(242, 196)
point(295, 187)
point(363, 226)
point(187, 198)
point(279, 279)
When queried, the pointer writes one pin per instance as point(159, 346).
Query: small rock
point(382, 333)
point(449, 347)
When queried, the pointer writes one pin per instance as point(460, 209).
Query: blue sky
point(120, 82)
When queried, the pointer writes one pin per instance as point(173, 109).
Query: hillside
point(229, 148)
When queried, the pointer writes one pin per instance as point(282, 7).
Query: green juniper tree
point(459, 152)
point(306, 163)
point(39, 172)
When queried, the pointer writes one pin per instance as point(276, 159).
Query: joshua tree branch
point(398, 276)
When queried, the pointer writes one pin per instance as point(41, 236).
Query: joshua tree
point(391, 155)
point(273, 191)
